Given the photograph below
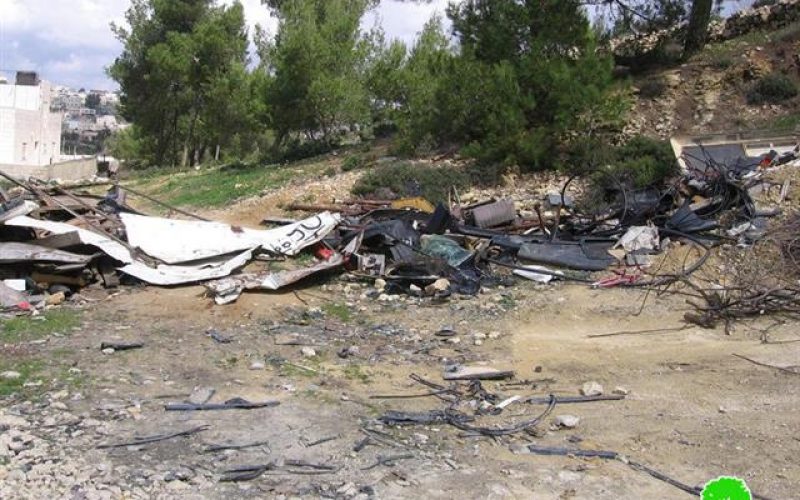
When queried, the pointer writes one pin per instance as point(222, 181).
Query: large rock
point(592, 389)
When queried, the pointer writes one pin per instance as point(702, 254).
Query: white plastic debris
point(534, 273)
point(639, 238)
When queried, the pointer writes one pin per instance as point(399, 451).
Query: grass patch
point(338, 310)
point(218, 186)
point(304, 259)
point(724, 54)
point(508, 302)
point(357, 373)
point(30, 328)
point(227, 362)
point(785, 123)
point(28, 369)
point(296, 370)
point(734, 47)
point(790, 121)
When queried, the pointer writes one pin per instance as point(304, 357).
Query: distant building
point(107, 121)
point(67, 101)
point(30, 133)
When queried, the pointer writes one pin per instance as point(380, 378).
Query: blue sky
point(69, 41)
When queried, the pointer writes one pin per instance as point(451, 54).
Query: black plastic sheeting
point(572, 255)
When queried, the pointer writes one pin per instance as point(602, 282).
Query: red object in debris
point(323, 253)
point(25, 306)
point(619, 278)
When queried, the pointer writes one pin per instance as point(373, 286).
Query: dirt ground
point(692, 410)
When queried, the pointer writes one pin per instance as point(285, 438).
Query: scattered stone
point(348, 490)
point(55, 299)
point(438, 286)
point(621, 391)
point(201, 395)
point(420, 438)
point(380, 284)
point(567, 421)
point(10, 375)
point(257, 365)
point(62, 394)
point(108, 350)
point(346, 352)
point(308, 352)
point(592, 389)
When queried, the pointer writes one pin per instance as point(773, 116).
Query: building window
point(24, 151)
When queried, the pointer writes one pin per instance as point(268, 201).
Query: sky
point(69, 42)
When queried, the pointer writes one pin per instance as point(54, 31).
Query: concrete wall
point(30, 134)
point(73, 170)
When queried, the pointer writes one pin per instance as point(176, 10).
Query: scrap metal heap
point(54, 241)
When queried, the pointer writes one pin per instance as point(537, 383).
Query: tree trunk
point(697, 31)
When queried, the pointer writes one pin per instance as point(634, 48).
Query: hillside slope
point(708, 93)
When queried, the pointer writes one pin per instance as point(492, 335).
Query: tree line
point(513, 82)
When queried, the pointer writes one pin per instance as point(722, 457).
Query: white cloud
point(404, 20)
point(69, 41)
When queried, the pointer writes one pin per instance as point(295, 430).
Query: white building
point(107, 121)
point(30, 134)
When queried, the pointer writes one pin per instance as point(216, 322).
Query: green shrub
point(412, 179)
point(643, 162)
point(352, 162)
point(520, 77)
point(771, 89)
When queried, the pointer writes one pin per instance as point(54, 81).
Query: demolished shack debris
point(50, 236)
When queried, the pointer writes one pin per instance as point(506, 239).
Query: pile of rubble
point(54, 241)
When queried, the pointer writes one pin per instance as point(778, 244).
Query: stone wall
point(769, 17)
point(72, 170)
